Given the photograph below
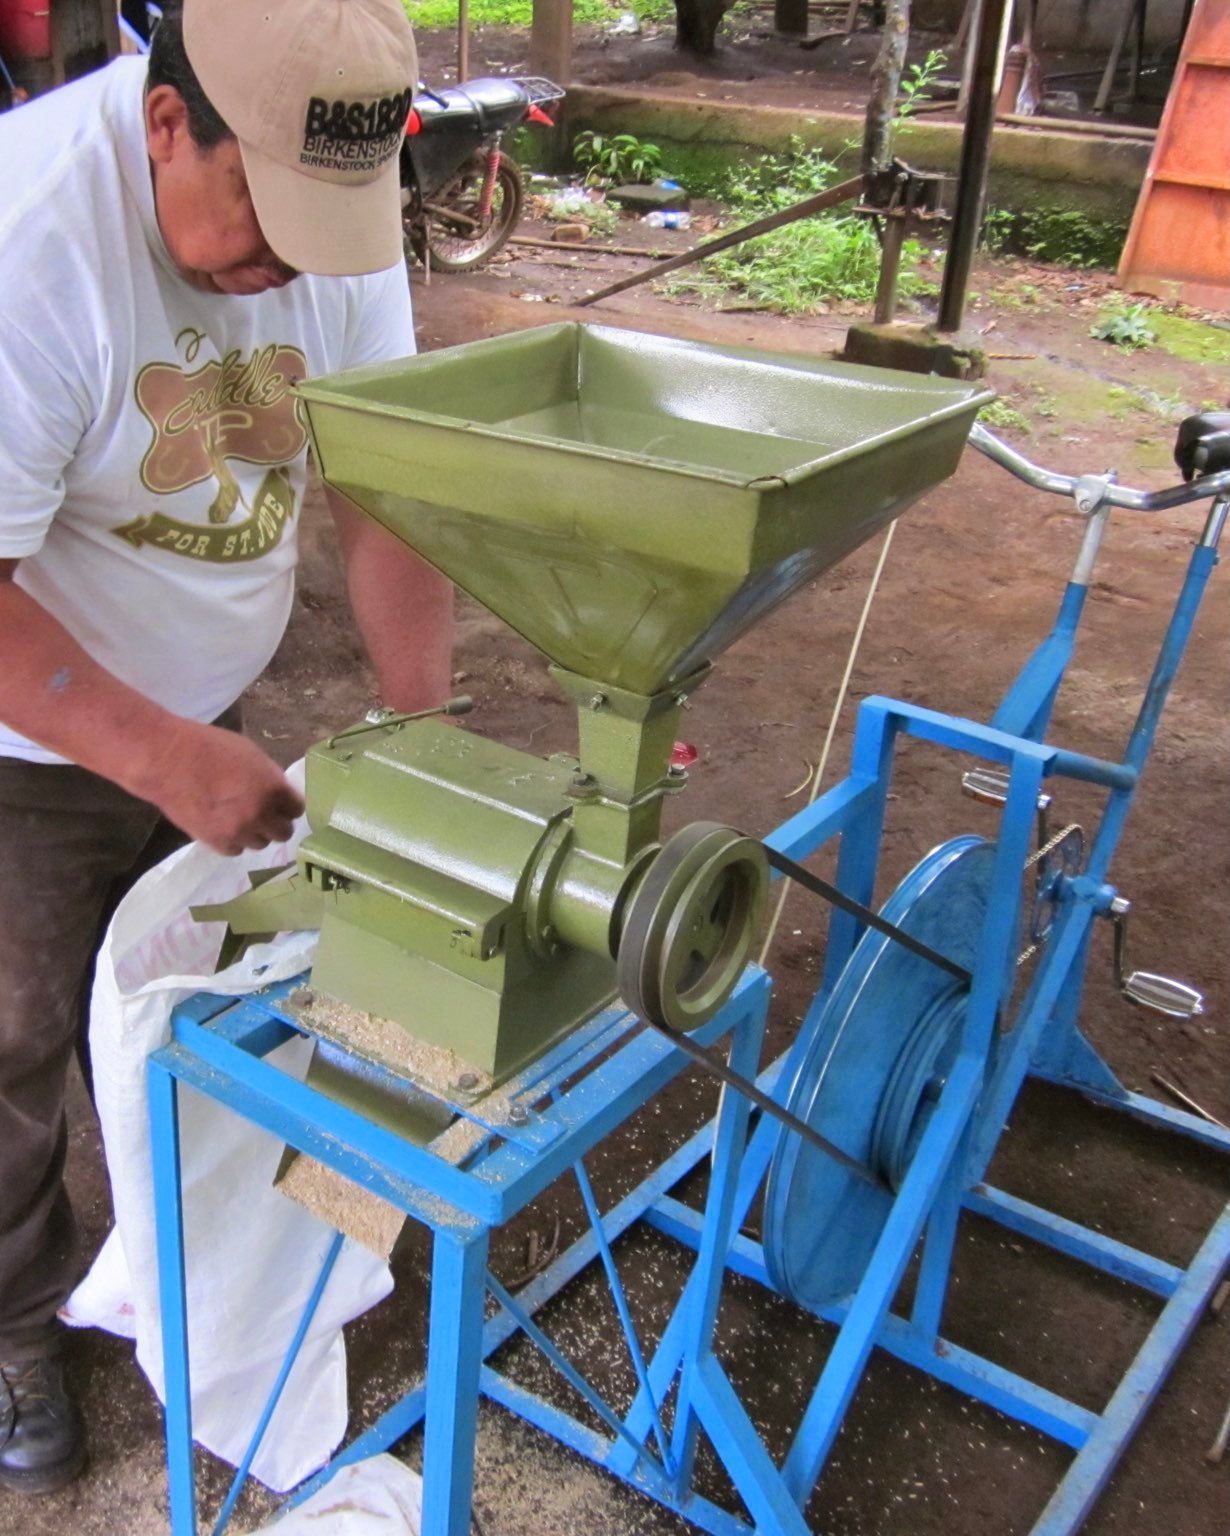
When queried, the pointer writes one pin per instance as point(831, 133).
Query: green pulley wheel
point(690, 925)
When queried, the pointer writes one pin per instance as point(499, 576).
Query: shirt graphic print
point(203, 416)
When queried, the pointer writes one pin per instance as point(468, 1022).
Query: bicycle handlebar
point(1093, 491)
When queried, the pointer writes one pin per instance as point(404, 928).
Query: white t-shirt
point(152, 458)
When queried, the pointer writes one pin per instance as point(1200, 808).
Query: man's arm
point(215, 785)
point(403, 607)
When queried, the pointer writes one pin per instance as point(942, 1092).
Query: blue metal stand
point(218, 1048)
point(589, 1084)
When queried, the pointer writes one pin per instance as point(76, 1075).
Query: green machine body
point(630, 504)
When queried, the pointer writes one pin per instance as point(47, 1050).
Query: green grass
point(427, 15)
point(1003, 415)
point(799, 269)
point(1061, 236)
point(805, 265)
point(1191, 340)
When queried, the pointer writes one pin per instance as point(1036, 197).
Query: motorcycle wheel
point(462, 246)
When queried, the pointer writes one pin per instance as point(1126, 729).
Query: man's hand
point(222, 790)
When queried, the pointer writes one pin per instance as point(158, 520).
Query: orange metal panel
point(1179, 242)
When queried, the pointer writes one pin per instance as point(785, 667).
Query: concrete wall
point(1087, 25)
point(1030, 169)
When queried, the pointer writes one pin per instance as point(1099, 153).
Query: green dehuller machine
point(631, 505)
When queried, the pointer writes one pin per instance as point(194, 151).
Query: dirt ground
point(970, 586)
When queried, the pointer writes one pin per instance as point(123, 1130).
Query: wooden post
point(790, 17)
point(551, 40)
point(463, 41)
point(885, 83)
point(84, 35)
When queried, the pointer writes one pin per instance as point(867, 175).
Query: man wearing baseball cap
point(178, 248)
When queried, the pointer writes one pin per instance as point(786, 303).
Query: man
point(156, 240)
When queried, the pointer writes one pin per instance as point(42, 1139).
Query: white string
point(818, 776)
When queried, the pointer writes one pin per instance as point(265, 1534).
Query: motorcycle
point(462, 195)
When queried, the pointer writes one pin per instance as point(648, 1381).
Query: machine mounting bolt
point(468, 1081)
point(517, 1114)
point(598, 701)
point(1120, 906)
point(302, 997)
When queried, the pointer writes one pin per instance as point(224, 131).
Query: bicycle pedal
point(1162, 994)
point(986, 784)
point(990, 785)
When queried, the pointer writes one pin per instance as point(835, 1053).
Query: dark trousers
point(71, 845)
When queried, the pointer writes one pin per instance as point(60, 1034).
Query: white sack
point(252, 1254)
point(376, 1497)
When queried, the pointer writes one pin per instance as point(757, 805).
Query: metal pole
point(890, 264)
point(992, 26)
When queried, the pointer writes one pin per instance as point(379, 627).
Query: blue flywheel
point(870, 1076)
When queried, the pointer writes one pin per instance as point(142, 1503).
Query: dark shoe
point(42, 1440)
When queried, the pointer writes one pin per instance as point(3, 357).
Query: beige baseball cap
point(317, 92)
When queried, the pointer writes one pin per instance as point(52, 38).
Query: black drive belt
point(836, 898)
point(714, 1064)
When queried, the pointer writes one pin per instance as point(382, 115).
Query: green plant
point(1170, 407)
point(1124, 326)
point(997, 224)
point(653, 10)
point(1001, 414)
point(1120, 401)
point(1065, 237)
point(601, 218)
point(916, 82)
point(1148, 402)
point(1062, 236)
point(615, 157)
point(772, 182)
point(802, 266)
point(1016, 295)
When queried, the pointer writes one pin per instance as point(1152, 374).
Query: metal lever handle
point(381, 717)
point(1146, 989)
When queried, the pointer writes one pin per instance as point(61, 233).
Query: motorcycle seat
point(488, 104)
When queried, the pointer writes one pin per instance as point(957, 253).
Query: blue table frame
point(219, 1048)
